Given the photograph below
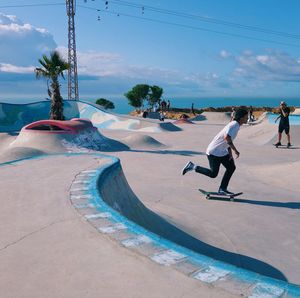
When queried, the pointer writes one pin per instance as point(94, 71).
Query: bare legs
point(287, 135)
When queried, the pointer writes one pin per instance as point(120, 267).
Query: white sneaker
point(188, 167)
point(225, 192)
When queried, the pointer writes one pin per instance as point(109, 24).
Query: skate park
point(111, 200)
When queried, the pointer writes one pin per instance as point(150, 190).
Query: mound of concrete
point(168, 126)
point(136, 141)
point(16, 153)
point(266, 133)
point(216, 117)
point(47, 136)
point(262, 133)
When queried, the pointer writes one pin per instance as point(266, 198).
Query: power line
point(190, 27)
point(180, 14)
point(31, 5)
point(175, 13)
point(204, 19)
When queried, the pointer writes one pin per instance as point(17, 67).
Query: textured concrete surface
point(46, 245)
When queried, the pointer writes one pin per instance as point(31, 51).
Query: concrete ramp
point(137, 141)
point(214, 117)
point(48, 137)
point(261, 133)
point(264, 132)
point(115, 191)
point(14, 116)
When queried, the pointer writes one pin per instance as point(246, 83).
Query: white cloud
point(269, 66)
point(22, 44)
point(113, 65)
point(263, 59)
point(4, 67)
point(26, 42)
point(225, 54)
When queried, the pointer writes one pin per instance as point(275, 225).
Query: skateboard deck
point(216, 195)
point(282, 146)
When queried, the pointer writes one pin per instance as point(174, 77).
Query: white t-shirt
point(218, 146)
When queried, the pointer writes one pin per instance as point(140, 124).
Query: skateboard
point(282, 146)
point(216, 195)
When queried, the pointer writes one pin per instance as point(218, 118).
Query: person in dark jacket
point(284, 124)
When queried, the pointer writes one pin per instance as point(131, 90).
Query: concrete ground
point(48, 250)
point(262, 225)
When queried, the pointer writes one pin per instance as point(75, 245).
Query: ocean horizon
point(122, 106)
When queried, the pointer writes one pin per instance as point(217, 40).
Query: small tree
point(137, 95)
point(53, 67)
point(105, 103)
point(155, 95)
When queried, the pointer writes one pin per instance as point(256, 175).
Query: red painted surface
point(73, 126)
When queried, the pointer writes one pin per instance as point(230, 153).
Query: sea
point(122, 106)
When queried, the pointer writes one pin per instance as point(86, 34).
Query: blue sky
point(200, 48)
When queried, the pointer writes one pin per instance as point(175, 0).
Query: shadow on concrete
point(284, 147)
point(289, 205)
point(13, 133)
point(174, 152)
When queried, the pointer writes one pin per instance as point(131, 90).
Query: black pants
point(214, 163)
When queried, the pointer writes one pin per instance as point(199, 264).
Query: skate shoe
point(188, 167)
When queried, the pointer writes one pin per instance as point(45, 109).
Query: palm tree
point(53, 67)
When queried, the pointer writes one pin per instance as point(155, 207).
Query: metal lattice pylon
point(72, 59)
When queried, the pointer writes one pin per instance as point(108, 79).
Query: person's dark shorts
point(284, 127)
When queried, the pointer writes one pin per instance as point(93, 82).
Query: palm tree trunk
point(56, 110)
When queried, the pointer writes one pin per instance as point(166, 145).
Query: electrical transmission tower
point(72, 59)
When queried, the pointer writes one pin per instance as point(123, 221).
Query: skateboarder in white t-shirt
point(219, 151)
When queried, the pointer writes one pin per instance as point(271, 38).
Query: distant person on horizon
point(284, 124)
point(232, 113)
point(145, 114)
point(250, 116)
point(192, 109)
point(168, 105)
point(219, 151)
point(163, 106)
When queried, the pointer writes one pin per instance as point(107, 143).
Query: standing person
point(232, 113)
point(192, 109)
point(284, 124)
point(163, 105)
point(168, 105)
point(219, 151)
point(250, 118)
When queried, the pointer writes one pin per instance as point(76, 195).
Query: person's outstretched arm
point(277, 118)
